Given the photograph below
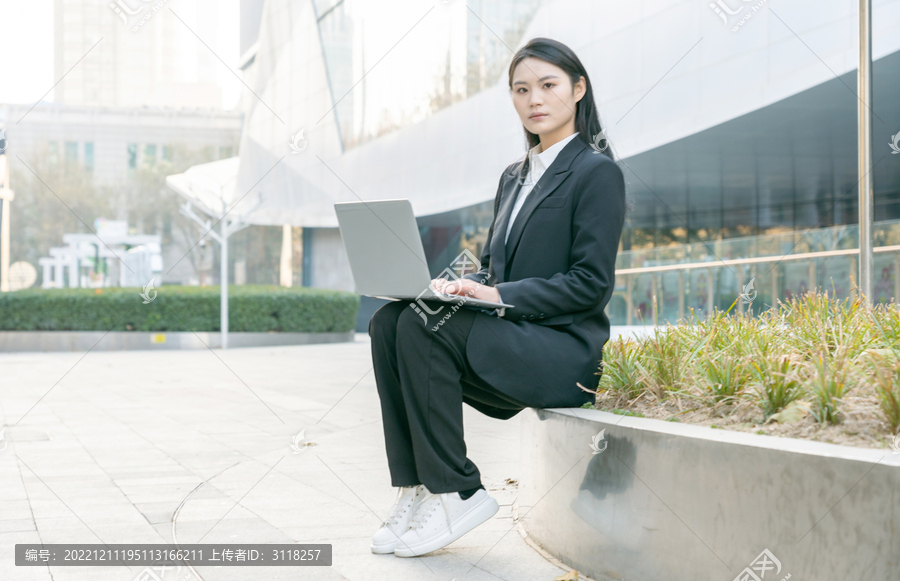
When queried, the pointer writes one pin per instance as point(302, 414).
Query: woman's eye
point(548, 84)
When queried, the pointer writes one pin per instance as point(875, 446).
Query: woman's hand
point(466, 287)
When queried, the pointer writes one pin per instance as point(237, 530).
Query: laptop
point(386, 255)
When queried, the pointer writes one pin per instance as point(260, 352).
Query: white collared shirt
point(537, 165)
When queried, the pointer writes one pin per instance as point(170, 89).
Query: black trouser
point(421, 376)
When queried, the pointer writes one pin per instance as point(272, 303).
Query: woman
point(551, 253)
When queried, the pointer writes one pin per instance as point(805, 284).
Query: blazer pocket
point(552, 202)
point(563, 319)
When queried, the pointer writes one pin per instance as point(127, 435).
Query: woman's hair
point(587, 120)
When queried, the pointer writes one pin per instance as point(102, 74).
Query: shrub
point(621, 370)
point(251, 308)
point(778, 380)
point(885, 374)
point(810, 347)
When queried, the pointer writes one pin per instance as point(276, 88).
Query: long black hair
point(587, 120)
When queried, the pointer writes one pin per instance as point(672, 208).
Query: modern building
point(112, 142)
point(131, 53)
point(735, 124)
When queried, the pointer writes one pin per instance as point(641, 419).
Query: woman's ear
point(580, 88)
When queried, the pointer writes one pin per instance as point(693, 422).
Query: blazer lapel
point(550, 180)
point(511, 189)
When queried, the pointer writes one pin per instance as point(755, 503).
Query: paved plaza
point(196, 446)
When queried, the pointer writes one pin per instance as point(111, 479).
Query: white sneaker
point(398, 518)
point(442, 518)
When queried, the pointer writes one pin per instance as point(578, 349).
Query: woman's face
point(543, 95)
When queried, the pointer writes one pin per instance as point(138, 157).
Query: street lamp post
point(864, 131)
point(223, 277)
point(226, 230)
point(6, 197)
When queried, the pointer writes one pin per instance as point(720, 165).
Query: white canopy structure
point(209, 186)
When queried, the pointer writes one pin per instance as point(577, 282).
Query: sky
point(25, 75)
point(26, 67)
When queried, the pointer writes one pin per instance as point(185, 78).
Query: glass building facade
point(440, 64)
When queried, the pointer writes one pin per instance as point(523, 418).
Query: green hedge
point(257, 308)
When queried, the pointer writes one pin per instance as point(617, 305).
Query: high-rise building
point(129, 53)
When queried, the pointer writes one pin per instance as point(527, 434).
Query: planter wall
point(670, 501)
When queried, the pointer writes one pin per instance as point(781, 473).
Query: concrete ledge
point(135, 340)
point(664, 500)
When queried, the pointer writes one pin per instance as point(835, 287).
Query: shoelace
point(427, 507)
point(400, 507)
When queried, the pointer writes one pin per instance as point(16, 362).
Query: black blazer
point(558, 270)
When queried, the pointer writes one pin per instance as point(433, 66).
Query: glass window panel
point(149, 154)
point(71, 151)
point(89, 156)
point(132, 155)
point(392, 66)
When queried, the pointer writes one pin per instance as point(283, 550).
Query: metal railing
point(687, 282)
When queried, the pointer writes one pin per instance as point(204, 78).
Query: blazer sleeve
point(597, 222)
point(482, 275)
point(501, 311)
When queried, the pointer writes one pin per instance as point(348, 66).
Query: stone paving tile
point(193, 523)
point(96, 573)
point(62, 489)
point(9, 477)
point(152, 479)
point(157, 512)
point(442, 565)
point(15, 509)
point(16, 524)
point(13, 493)
point(237, 527)
point(272, 573)
point(141, 472)
point(69, 531)
point(136, 435)
point(122, 514)
point(7, 570)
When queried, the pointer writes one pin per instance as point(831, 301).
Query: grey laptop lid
point(386, 255)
